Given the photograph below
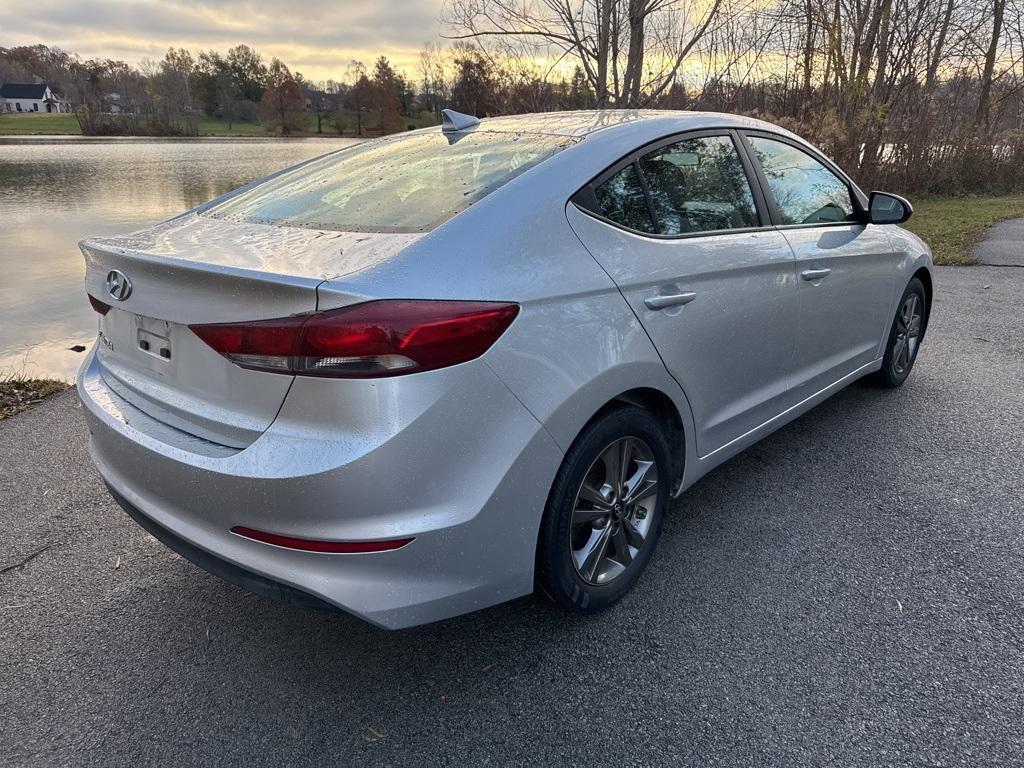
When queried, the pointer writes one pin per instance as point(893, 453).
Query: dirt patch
point(18, 394)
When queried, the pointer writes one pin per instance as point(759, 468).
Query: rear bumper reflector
point(319, 545)
point(231, 573)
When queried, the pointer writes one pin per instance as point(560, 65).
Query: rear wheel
point(904, 337)
point(605, 511)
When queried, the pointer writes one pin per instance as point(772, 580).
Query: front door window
point(805, 190)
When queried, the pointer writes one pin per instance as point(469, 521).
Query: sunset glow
point(318, 39)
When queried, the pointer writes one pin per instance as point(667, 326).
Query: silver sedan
point(432, 372)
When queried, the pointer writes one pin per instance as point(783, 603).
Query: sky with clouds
point(315, 37)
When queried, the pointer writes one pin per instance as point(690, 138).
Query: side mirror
point(884, 208)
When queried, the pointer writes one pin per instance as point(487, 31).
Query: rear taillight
point(379, 338)
point(98, 305)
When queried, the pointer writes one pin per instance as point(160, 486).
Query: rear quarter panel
point(575, 344)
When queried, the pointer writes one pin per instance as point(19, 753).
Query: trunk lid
point(194, 270)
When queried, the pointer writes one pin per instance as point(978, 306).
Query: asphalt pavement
point(1003, 244)
point(848, 592)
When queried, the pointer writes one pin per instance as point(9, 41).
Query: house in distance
point(32, 97)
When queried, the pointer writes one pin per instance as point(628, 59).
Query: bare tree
point(434, 88)
point(359, 93)
point(282, 105)
point(630, 50)
point(475, 86)
point(981, 117)
point(228, 98)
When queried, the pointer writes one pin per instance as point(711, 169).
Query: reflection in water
point(54, 193)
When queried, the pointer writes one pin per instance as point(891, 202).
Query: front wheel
point(904, 337)
point(605, 511)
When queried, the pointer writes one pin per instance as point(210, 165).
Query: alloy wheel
point(613, 510)
point(908, 335)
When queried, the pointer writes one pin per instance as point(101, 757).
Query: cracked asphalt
point(848, 592)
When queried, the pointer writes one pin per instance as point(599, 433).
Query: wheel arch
point(925, 276)
point(667, 414)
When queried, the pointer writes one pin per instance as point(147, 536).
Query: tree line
point(167, 97)
point(918, 95)
point(912, 95)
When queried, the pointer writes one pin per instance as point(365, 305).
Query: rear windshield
point(409, 184)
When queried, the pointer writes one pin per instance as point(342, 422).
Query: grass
point(212, 126)
point(67, 125)
point(18, 393)
point(952, 225)
point(27, 124)
point(43, 124)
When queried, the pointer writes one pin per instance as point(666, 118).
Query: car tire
point(905, 336)
point(592, 506)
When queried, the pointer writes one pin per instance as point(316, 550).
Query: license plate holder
point(153, 338)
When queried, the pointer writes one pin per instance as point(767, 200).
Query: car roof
point(580, 123)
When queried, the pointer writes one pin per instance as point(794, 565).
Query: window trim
point(857, 197)
point(585, 199)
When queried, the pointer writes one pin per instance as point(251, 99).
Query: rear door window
point(699, 185)
point(622, 200)
point(690, 186)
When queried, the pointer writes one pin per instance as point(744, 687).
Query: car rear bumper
point(229, 572)
point(449, 458)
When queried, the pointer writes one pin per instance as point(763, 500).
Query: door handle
point(815, 274)
point(672, 300)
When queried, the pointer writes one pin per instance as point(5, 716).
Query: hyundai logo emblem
point(118, 285)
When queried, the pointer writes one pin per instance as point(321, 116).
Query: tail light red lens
point(379, 338)
point(98, 305)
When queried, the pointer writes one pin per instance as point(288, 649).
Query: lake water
point(55, 192)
